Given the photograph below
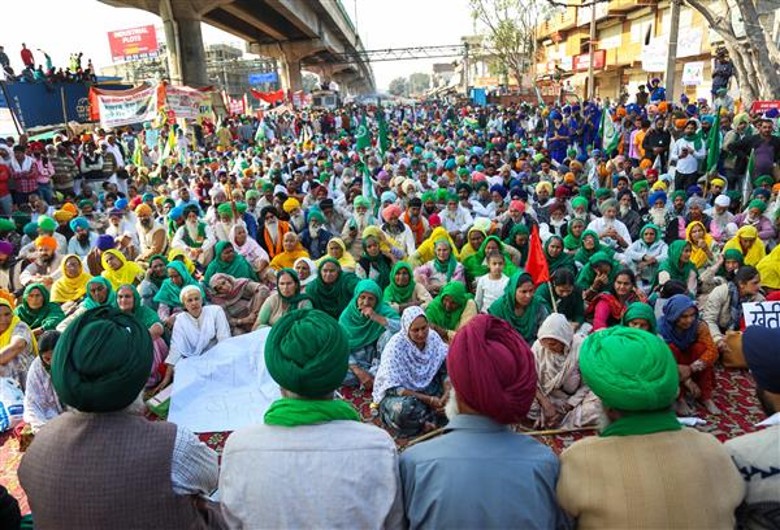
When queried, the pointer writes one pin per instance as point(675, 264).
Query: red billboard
point(133, 44)
point(582, 62)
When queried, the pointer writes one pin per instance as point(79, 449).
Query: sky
point(82, 25)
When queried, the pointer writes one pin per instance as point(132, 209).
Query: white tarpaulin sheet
point(226, 388)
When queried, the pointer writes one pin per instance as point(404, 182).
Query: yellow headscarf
point(698, 256)
point(769, 268)
point(70, 289)
point(5, 336)
point(757, 250)
point(467, 249)
point(386, 243)
point(176, 253)
point(346, 260)
point(426, 250)
point(126, 274)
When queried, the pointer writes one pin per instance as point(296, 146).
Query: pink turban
point(434, 220)
point(392, 210)
point(492, 369)
point(517, 205)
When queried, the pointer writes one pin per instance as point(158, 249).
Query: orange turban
point(645, 163)
point(663, 107)
point(70, 207)
point(46, 242)
point(680, 124)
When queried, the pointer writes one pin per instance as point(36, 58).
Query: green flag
point(138, 158)
point(384, 141)
point(747, 181)
point(608, 133)
point(713, 144)
point(363, 137)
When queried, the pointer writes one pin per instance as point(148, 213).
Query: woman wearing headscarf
point(249, 249)
point(556, 257)
point(704, 249)
point(561, 295)
point(452, 308)
point(426, 252)
point(291, 251)
point(640, 315)
point(155, 276)
point(755, 216)
point(69, 289)
point(168, 297)
point(375, 264)
point(99, 293)
point(573, 240)
point(410, 382)
point(41, 403)
point(645, 255)
point(562, 399)
point(37, 311)
point(590, 245)
point(597, 276)
point(337, 250)
point(333, 288)
point(607, 308)
point(128, 300)
point(177, 254)
point(519, 307)
point(691, 343)
point(369, 322)
point(678, 266)
point(476, 265)
point(18, 346)
point(403, 291)
point(747, 242)
point(228, 261)
point(441, 270)
point(307, 271)
point(118, 270)
point(474, 238)
point(518, 239)
point(241, 298)
point(286, 298)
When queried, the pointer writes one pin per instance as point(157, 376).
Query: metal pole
point(592, 53)
point(17, 122)
point(671, 59)
point(466, 67)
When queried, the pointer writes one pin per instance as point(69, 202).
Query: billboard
point(133, 44)
point(263, 77)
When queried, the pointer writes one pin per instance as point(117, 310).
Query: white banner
point(693, 73)
point(226, 388)
point(138, 107)
point(186, 102)
point(654, 56)
point(764, 314)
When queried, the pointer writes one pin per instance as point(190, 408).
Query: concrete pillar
point(289, 55)
point(186, 54)
point(291, 76)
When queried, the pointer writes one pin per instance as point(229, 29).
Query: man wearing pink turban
point(480, 474)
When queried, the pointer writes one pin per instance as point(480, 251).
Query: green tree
point(419, 83)
point(399, 87)
point(310, 82)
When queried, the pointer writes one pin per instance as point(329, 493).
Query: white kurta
point(195, 336)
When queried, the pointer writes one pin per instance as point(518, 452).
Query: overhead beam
point(240, 13)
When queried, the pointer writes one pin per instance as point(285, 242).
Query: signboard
point(693, 73)
point(688, 42)
point(654, 56)
point(762, 106)
point(133, 44)
point(764, 314)
point(116, 109)
point(182, 101)
point(264, 77)
point(582, 62)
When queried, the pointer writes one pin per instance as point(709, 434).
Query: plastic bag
point(11, 404)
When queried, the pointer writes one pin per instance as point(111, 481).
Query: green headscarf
point(518, 229)
point(380, 262)
point(564, 260)
point(238, 268)
point(634, 372)
point(46, 317)
point(102, 361)
point(570, 242)
point(169, 292)
point(400, 295)
point(360, 329)
point(448, 268)
point(758, 204)
point(583, 256)
point(154, 279)
point(641, 311)
point(504, 308)
point(90, 303)
point(475, 265)
point(332, 298)
point(145, 315)
point(672, 263)
point(588, 273)
point(438, 315)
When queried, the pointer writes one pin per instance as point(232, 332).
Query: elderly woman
point(37, 311)
point(18, 346)
point(228, 261)
point(474, 238)
point(607, 308)
point(291, 251)
point(410, 385)
point(426, 252)
point(563, 400)
point(129, 301)
point(168, 297)
point(678, 266)
point(747, 242)
point(196, 330)
point(691, 343)
point(645, 255)
point(755, 216)
point(119, 271)
point(155, 276)
point(337, 250)
point(307, 271)
point(452, 308)
point(71, 287)
point(375, 264)
point(369, 323)
point(333, 288)
point(403, 291)
point(249, 249)
point(704, 249)
point(519, 307)
point(286, 297)
point(241, 298)
point(590, 245)
point(441, 270)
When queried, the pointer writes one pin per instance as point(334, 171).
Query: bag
point(11, 404)
point(734, 358)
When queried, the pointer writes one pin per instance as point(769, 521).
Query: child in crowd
point(490, 287)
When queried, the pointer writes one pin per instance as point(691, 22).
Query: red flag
point(536, 264)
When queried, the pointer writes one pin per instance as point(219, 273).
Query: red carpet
point(734, 396)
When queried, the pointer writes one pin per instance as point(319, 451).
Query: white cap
point(722, 200)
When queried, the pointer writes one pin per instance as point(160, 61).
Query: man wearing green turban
point(309, 437)
point(128, 471)
point(639, 470)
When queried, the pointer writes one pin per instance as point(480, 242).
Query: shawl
point(698, 256)
point(346, 260)
point(177, 254)
point(238, 268)
point(91, 303)
point(251, 249)
point(286, 260)
point(588, 273)
point(67, 289)
point(426, 251)
point(673, 310)
point(396, 294)
point(671, 265)
point(362, 331)
point(380, 262)
point(312, 270)
point(47, 316)
point(570, 242)
point(504, 308)
point(583, 255)
point(7, 335)
point(418, 228)
point(518, 229)
point(553, 368)
point(616, 308)
point(755, 253)
point(169, 292)
point(563, 260)
point(129, 272)
point(386, 243)
point(467, 249)
point(145, 315)
point(448, 268)
point(572, 306)
point(769, 268)
point(438, 315)
point(332, 298)
point(640, 311)
point(475, 264)
point(232, 296)
point(275, 249)
point(404, 364)
point(289, 412)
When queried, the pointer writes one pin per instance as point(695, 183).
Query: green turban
point(757, 203)
point(252, 194)
point(306, 352)
point(603, 193)
point(585, 191)
point(576, 202)
point(31, 230)
point(763, 180)
point(442, 194)
point(316, 215)
point(640, 311)
point(85, 203)
point(640, 185)
point(225, 209)
point(629, 369)
point(102, 361)
point(428, 196)
point(47, 224)
point(241, 207)
point(6, 225)
point(361, 201)
point(678, 193)
point(267, 186)
point(323, 176)
point(463, 172)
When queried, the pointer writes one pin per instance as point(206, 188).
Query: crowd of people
point(472, 268)
point(33, 71)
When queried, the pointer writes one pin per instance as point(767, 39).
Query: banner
point(133, 44)
point(181, 101)
point(123, 107)
point(764, 314)
point(268, 97)
point(264, 77)
point(693, 73)
point(763, 106)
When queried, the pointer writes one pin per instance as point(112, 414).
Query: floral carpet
point(734, 395)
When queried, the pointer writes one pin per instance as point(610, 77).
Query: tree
point(419, 83)
point(754, 55)
point(399, 86)
point(310, 82)
point(510, 31)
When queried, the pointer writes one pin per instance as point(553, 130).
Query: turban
point(46, 242)
point(306, 352)
point(603, 193)
point(392, 210)
point(63, 215)
point(291, 204)
point(434, 220)
point(517, 205)
point(607, 204)
point(578, 202)
point(722, 201)
point(428, 196)
point(47, 224)
point(225, 210)
point(629, 369)
point(143, 209)
point(267, 186)
point(252, 194)
point(70, 207)
point(147, 197)
point(31, 230)
point(492, 369)
point(763, 180)
point(315, 215)
point(693, 190)
point(463, 186)
point(640, 186)
point(741, 118)
point(678, 194)
point(105, 242)
point(776, 188)
point(718, 182)
point(660, 186)
point(586, 191)
point(655, 197)
point(645, 163)
point(362, 201)
point(6, 248)
point(79, 222)
point(6, 225)
point(121, 204)
point(760, 347)
point(569, 178)
point(102, 361)
point(176, 213)
point(86, 203)
point(159, 200)
point(388, 196)
point(757, 203)
point(762, 192)
point(241, 207)
point(500, 189)
point(544, 185)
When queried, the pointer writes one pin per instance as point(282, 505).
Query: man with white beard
point(353, 228)
point(152, 236)
point(195, 237)
point(610, 230)
point(271, 231)
point(722, 228)
point(297, 218)
point(627, 214)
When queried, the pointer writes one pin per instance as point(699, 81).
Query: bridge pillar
point(289, 55)
point(186, 55)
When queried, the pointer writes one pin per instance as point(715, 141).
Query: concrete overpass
point(308, 34)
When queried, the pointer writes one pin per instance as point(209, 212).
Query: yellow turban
point(718, 182)
point(143, 209)
point(158, 200)
point(542, 185)
point(659, 186)
point(291, 205)
point(63, 216)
